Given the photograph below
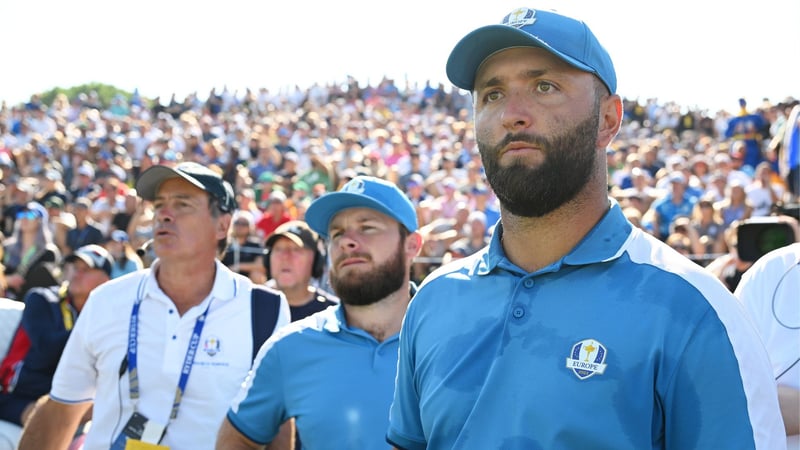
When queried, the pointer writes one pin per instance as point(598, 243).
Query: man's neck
point(383, 318)
point(186, 286)
point(298, 295)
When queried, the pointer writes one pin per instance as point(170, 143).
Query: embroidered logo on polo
point(587, 359)
point(520, 17)
point(211, 345)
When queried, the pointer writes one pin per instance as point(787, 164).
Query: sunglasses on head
point(28, 215)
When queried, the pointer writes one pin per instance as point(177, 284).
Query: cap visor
point(474, 48)
point(319, 214)
point(151, 179)
point(291, 236)
point(76, 256)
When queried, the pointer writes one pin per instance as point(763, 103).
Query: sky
point(702, 54)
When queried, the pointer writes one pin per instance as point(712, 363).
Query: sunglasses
point(31, 215)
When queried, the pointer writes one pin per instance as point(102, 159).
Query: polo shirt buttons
point(518, 312)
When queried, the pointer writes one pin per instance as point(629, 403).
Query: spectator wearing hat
point(449, 199)
point(676, 202)
point(276, 213)
point(84, 182)
point(282, 145)
point(295, 264)
point(30, 255)
point(173, 342)
point(108, 203)
point(266, 161)
point(264, 185)
point(245, 254)
point(60, 222)
point(320, 172)
point(735, 206)
point(763, 194)
point(476, 237)
point(86, 231)
point(126, 260)
point(19, 194)
point(288, 168)
point(708, 224)
point(121, 218)
point(52, 186)
point(47, 321)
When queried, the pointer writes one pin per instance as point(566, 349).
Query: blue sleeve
point(405, 425)
point(705, 403)
point(44, 325)
point(260, 408)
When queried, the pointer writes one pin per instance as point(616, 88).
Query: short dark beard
point(570, 161)
point(367, 288)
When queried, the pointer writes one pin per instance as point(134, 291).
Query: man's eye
point(544, 87)
point(492, 96)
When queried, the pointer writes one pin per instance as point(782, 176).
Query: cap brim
point(291, 236)
point(322, 210)
point(76, 256)
point(148, 183)
point(474, 48)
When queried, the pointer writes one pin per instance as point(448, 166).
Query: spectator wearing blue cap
point(572, 329)
point(333, 372)
point(678, 202)
point(125, 258)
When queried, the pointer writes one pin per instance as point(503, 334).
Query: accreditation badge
point(140, 433)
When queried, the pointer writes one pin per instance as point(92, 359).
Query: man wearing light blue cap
point(333, 372)
point(572, 329)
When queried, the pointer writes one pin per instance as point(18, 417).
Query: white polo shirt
point(770, 291)
point(89, 369)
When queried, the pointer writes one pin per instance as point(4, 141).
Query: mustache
point(351, 255)
point(528, 138)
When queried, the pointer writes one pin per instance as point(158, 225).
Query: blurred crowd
point(688, 177)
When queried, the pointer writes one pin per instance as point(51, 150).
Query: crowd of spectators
point(686, 176)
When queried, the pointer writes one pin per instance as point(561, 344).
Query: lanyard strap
point(67, 314)
point(188, 361)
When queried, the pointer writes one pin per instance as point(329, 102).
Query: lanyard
point(188, 361)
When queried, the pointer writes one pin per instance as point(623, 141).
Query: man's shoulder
point(42, 294)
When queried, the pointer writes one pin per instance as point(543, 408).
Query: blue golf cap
point(567, 38)
point(362, 192)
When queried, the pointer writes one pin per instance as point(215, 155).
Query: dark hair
point(214, 207)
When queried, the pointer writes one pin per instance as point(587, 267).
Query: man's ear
point(224, 225)
point(610, 120)
point(413, 244)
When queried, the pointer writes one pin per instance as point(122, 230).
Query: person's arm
point(698, 248)
point(52, 425)
point(229, 438)
point(789, 399)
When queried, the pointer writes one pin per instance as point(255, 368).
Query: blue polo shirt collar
point(604, 242)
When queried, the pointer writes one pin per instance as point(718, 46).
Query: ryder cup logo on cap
point(567, 38)
point(362, 192)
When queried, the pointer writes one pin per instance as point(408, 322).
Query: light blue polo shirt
point(621, 344)
point(337, 381)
